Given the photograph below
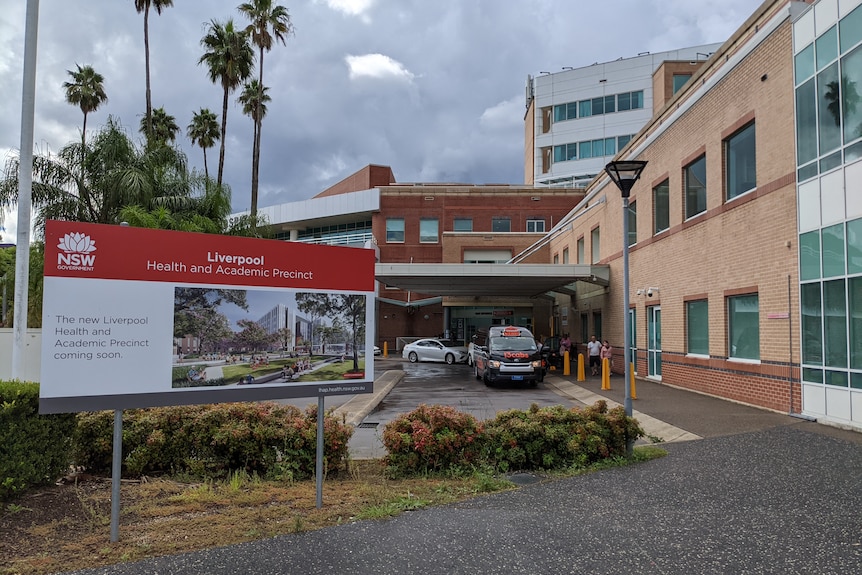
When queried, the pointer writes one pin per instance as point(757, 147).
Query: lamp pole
point(624, 174)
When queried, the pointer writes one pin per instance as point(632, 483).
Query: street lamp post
point(624, 174)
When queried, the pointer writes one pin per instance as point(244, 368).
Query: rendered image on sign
point(232, 337)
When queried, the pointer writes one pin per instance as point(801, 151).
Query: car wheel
point(450, 359)
point(485, 379)
point(413, 357)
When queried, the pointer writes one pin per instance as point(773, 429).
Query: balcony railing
point(357, 239)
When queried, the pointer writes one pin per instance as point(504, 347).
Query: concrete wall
point(32, 354)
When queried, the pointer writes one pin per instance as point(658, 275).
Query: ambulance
point(510, 354)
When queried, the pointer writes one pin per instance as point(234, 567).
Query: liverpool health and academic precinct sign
point(136, 317)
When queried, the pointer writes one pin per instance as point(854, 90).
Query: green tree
point(252, 336)
point(204, 131)
point(229, 60)
point(144, 6)
point(87, 91)
point(163, 128)
point(269, 23)
point(34, 290)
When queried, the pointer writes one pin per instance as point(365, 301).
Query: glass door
point(654, 341)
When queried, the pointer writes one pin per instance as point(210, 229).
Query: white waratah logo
point(77, 256)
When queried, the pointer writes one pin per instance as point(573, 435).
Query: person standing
point(607, 353)
point(594, 348)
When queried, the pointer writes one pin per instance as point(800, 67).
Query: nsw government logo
point(76, 252)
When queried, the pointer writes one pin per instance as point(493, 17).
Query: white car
point(434, 350)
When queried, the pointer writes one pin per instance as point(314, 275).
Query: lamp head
point(625, 174)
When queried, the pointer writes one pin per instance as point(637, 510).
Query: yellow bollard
point(606, 373)
point(385, 349)
point(581, 375)
point(567, 367)
point(632, 372)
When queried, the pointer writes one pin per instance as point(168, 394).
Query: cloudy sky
point(434, 89)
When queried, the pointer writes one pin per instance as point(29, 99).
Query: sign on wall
point(135, 317)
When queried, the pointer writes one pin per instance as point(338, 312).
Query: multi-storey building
point(579, 118)
point(745, 228)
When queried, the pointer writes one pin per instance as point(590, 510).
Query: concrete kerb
point(358, 407)
point(652, 426)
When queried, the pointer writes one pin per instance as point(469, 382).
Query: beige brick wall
point(747, 245)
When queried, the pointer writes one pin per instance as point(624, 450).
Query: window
point(586, 150)
point(585, 109)
point(661, 207)
point(695, 187)
point(501, 225)
point(556, 258)
point(563, 112)
point(633, 223)
point(610, 146)
point(697, 327)
point(637, 100)
point(394, 230)
point(851, 75)
point(806, 123)
point(565, 255)
point(835, 324)
point(429, 230)
point(743, 326)
point(829, 123)
point(622, 141)
point(812, 324)
point(598, 106)
point(581, 257)
point(610, 104)
point(741, 165)
point(624, 102)
point(598, 148)
point(595, 240)
point(679, 81)
point(565, 152)
point(536, 226)
point(463, 225)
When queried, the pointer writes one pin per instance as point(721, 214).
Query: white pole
point(25, 189)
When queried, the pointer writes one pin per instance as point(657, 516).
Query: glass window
point(661, 207)
point(586, 150)
point(854, 246)
point(598, 106)
point(697, 327)
point(560, 153)
point(812, 328)
point(429, 230)
point(580, 247)
point(559, 112)
point(585, 109)
point(637, 100)
point(695, 187)
point(855, 317)
point(571, 110)
point(598, 148)
point(501, 225)
point(565, 255)
point(556, 258)
point(610, 146)
point(624, 102)
point(829, 106)
point(743, 327)
point(595, 240)
point(809, 256)
point(835, 324)
point(850, 28)
point(833, 250)
point(679, 81)
point(633, 223)
point(535, 225)
point(394, 230)
point(463, 225)
point(622, 141)
point(826, 47)
point(571, 151)
point(610, 104)
point(803, 63)
point(851, 83)
point(741, 168)
point(806, 123)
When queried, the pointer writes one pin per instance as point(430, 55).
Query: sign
point(116, 300)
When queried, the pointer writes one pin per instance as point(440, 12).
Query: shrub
point(213, 440)
point(431, 438)
point(34, 449)
point(556, 437)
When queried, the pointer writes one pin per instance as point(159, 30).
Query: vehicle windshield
point(519, 343)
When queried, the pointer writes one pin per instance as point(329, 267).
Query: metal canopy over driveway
point(513, 280)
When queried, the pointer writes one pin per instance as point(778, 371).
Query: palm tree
point(253, 99)
point(229, 58)
point(144, 6)
point(268, 22)
point(86, 90)
point(204, 131)
point(163, 128)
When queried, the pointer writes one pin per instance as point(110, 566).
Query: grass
point(67, 527)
